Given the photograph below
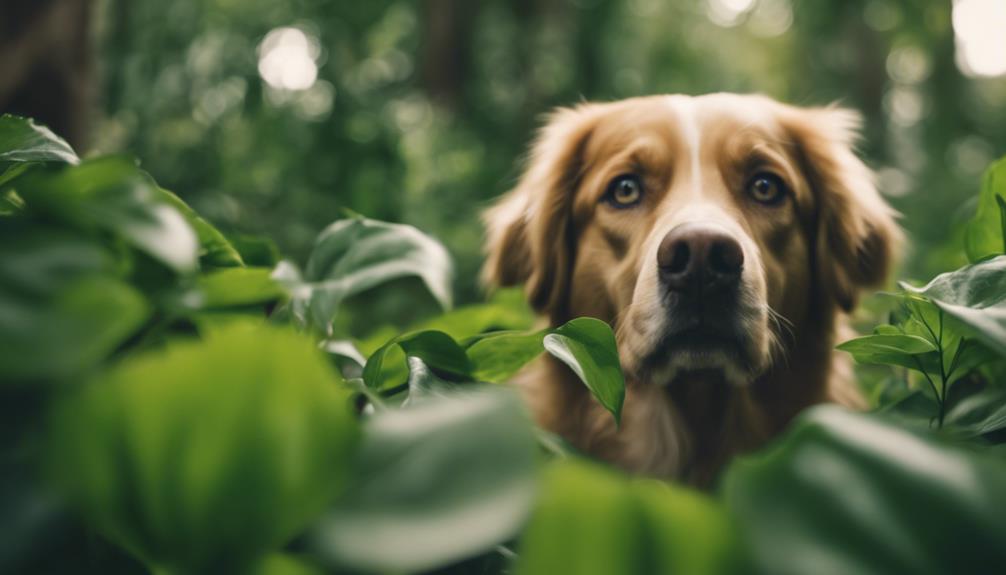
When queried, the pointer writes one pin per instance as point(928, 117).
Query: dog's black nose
point(698, 256)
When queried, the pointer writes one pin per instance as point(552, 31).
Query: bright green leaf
point(591, 521)
point(207, 455)
point(984, 234)
point(237, 287)
point(498, 356)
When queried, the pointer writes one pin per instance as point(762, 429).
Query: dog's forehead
point(685, 122)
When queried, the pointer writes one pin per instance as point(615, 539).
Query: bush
point(183, 401)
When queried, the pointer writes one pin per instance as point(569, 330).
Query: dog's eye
point(624, 191)
point(766, 188)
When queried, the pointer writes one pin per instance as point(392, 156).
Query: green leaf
point(237, 287)
point(907, 344)
point(112, 194)
point(22, 141)
point(69, 333)
point(437, 349)
point(589, 521)
point(207, 455)
point(215, 250)
point(496, 357)
point(587, 346)
point(974, 296)
point(845, 492)
point(357, 254)
point(984, 236)
point(904, 350)
point(438, 481)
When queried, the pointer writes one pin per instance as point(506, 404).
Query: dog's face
point(708, 230)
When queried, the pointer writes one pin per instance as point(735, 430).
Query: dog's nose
point(698, 256)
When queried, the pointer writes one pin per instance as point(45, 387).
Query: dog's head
point(707, 229)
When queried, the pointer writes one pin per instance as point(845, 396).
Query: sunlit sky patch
point(980, 33)
point(287, 59)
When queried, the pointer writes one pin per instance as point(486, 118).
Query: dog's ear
point(857, 235)
point(529, 235)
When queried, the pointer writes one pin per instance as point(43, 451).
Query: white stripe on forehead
point(684, 109)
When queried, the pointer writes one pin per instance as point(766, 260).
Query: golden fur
point(805, 261)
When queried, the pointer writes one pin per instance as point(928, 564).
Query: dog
point(725, 238)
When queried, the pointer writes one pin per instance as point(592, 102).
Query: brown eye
point(624, 191)
point(767, 189)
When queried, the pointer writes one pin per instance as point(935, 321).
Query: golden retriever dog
point(724, 237)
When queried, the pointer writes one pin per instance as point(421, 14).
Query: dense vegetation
point(183, 401)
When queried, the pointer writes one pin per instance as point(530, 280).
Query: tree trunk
point(45, 55)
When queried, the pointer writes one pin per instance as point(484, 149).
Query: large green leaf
point(438, 481)
point(24, 141)
point(588, 347)
point(974, 296)
point(984, 235)
point(112, 194)
point(207, 455)
point(845, 492)
point(357, 254)
point(591, 521)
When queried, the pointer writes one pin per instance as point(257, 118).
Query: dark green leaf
point(588, 347)
point(437, 350)
point(207, 455)
point(845, 492)
point(438, 481)
point(69, 333)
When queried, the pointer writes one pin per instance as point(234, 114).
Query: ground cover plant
point(177, 401)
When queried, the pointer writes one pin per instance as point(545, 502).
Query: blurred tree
point(45, 55)
point(421, 111)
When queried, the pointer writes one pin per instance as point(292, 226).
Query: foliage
point(183, 401)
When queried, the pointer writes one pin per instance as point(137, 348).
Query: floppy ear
point(857, 236)
point(529, 234)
